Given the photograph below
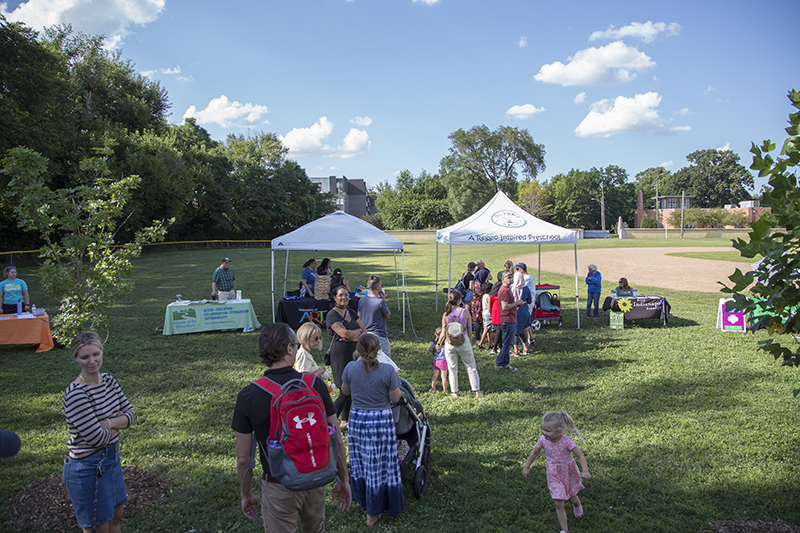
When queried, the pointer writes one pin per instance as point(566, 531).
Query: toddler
point(439, 362)
point(563, 478)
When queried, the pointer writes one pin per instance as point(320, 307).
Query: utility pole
point(602, 207)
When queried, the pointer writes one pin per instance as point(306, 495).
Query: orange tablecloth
point(34, 330)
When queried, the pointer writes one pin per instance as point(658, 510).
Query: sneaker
point(493, 351)
point(578, 511)
point(514, 354)
point(508, 367)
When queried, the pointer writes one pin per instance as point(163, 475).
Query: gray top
point(372, 311)
point(370, 393)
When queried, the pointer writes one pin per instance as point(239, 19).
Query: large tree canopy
point(576, 198)
point(714, 177)
point(414, 203)
point(482, 162)
point(649, 181)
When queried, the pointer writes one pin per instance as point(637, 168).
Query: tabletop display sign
point(730, 321)
point(617, 320)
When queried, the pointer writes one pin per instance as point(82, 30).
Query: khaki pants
point(281, 507)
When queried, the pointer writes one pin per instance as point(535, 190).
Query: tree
point(707, 218)
point(575, 198)
point(777, 240)
point(714, 177)
point(647, 181)
point(414, 203)
point(483, 162)
point(531, 197)
point(83, 267)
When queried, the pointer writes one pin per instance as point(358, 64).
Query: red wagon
point(546, 306)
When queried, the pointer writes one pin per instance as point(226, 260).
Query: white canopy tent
point(340, 232)
point(501, 221)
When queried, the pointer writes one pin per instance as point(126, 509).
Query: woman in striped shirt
point(96, 409)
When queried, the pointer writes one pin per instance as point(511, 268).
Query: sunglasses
point(315, 338)
point(295, 344)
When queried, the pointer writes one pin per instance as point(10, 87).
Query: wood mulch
point(731, 526)
point(44, 504)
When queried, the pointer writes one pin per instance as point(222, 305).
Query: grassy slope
point(681, 425)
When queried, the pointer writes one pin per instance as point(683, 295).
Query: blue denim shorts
point(96, 478)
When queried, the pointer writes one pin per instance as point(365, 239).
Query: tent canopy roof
point(337, 231)
point(501, 221)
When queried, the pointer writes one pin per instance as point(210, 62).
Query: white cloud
point(647, 32)
point(609, 117)
point(303, 142)
point(710, 90)
point(726, 148)
point(361, 121)
point(426, 2)
point(579, 98)
point(667, 164)
point(677, 129)
point(684, 112)
point(229, 114)
point(176, 70)
point(523, 42)
point(614, 63)
point(113, 18)
point(523, 111)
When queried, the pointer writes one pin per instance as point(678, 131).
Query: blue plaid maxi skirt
point(374, 468)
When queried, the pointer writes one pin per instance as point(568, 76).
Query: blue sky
point(368, 88)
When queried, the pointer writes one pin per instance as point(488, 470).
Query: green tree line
point(64, 97)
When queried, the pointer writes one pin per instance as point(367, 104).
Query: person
point(523, 324)
point(337, 280)
point(96, 410)
point(494, 306)
point(310, 338)
point(373, 312)
point(530, 282)
point(594, 281)
point(482, 275)
point(14, 290)
point(223, 281)
point(508, 320)
point(455, 312)
point(324, 268)
point(308, 277)
point(466, 279)
point(488, 328)
point(439, 361)
point(624, 289)
point(374, 469)
point(280, 507)
point(563, 478)
point(344, 329)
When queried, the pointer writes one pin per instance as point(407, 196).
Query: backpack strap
point(267, 385)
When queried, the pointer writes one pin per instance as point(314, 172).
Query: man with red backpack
point(282, 460)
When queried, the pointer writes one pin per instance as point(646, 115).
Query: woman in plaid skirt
point(374, 469)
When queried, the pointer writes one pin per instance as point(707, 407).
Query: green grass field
point(682, 425)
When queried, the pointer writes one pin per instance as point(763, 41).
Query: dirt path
point(650, 267)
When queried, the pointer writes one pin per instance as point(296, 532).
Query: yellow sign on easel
point(617, 320)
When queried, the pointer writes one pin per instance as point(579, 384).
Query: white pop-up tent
point(501, 221)
point(340, 232)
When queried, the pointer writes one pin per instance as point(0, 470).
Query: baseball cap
point(522, 266)
point(226, 260)
point(471, 265)
point(337, 271)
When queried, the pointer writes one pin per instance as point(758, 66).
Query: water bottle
point(33, 309)
point(19, 307)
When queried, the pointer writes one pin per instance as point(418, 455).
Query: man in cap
point(594, 281)
point(222, 282)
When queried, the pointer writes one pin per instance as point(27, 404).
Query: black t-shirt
point(467, 279)
point(252, 411)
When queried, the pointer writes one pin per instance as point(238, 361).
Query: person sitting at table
point(308, 277)
point(337, 280)
point(14, 290)
point(324, 268)
point(624, 289)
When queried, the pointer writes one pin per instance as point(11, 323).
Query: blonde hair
point(367, 348)
point(560, 421)
point(305, 332)
point(437, 333)
point(509, 264)
point(84, 339)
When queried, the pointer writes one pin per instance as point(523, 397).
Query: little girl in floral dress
point(563, 478)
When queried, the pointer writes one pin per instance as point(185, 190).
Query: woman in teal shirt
point(14, 290)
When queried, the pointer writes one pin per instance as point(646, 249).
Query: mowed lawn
point(681, 425)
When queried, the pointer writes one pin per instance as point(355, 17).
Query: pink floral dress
point(563, 476)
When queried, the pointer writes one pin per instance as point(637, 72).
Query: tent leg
point(403, 258)
point(436, 281)
point(577, 292)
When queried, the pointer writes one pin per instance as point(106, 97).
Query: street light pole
point(602, 207)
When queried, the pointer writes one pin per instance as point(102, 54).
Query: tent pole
point(449, 272)
point(403, 260)
point(272, 281)
point(540, 263)
point(577, 293)
point(436, 281)
point(285, 271)
point(396, 281)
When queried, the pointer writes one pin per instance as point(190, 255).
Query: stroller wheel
point(420, 481)
point(426, 457)
point(536, 325)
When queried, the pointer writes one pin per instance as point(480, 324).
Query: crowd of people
point(358, 362)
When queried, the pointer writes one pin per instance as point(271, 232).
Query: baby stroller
point(546, 306)
point(413, 429)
